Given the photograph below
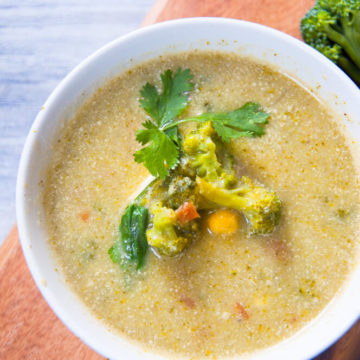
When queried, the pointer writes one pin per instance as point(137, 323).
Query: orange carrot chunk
point(186, 212)
point(241, 312)
point(223, 221)
point(85, 215)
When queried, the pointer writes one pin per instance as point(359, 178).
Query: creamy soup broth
point(225, 295)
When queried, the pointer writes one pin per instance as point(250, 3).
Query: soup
point(225, 294)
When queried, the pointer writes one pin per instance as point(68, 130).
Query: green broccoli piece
point(260, 206)
point(172, 192)
point(200, 149)
point(162, 235)
point(180, 189)
point(333, 28)
point(165, 232)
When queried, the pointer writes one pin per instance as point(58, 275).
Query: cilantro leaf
point(165, 107)
point(246, 121)
point(150, 102)
point(173, 134)
point(160, 155)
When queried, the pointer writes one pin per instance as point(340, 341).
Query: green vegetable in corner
point(131, 247)
point(333, 28)
point(160, 137)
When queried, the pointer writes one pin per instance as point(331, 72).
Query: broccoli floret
point(181, 189)
point(216, 181)
point(172, 192)
point(200, 149)
point(162, 235)
point(260, 206)
point(166, 234)
point(333, 28)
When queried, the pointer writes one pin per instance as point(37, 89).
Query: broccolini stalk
point(333, 28)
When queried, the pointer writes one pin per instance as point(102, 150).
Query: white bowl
point(289, 55)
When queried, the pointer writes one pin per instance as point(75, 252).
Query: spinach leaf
point(131, 246)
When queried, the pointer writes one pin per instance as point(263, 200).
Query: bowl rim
point(42, 117)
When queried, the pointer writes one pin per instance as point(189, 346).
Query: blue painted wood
point(40, 42)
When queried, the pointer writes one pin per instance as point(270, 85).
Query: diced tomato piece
point(186, 212)
point(279, 249)
point(189, 302)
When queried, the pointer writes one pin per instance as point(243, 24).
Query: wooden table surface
point(28, 328)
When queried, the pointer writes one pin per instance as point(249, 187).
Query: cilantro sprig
point(165, 107)
point(160, 133)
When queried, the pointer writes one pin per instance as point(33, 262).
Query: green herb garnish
point(246, 121)
point(165, 107)
point(160, 133)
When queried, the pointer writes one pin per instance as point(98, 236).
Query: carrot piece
point(85, 215)
point(223, 222)
point(186, 212)
point(241, 312)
